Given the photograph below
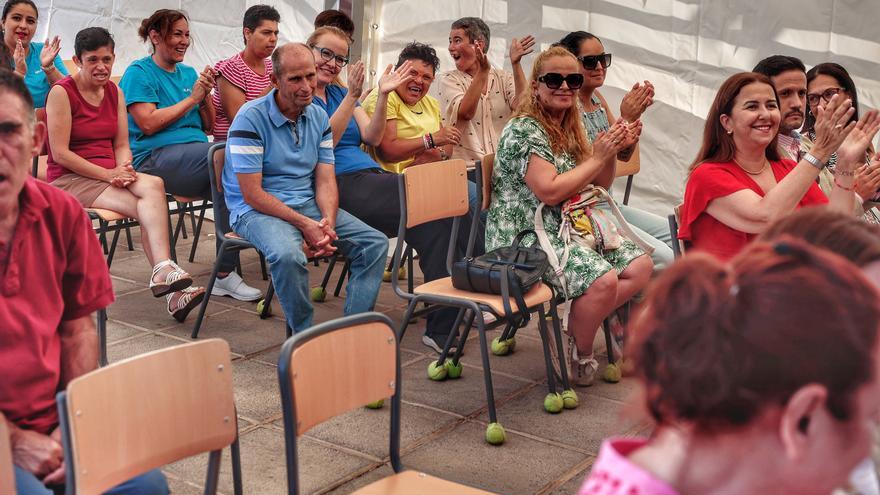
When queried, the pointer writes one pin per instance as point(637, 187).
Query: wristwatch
point(812, 160)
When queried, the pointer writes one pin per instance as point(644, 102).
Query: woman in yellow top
point(413, 133)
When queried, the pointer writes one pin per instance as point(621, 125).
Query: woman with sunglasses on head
point(823, 82)
point(598, 117)
point(544, 156)
point(38, 63)
point(245, 76)
point(738, 185)
point(761, 376)
point(169, 113)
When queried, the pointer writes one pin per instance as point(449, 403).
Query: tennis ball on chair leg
point(453, 370)
point(376, 405)
point(437, 372)
point(318, 294)
point(612, 373)
point(500, 347)
point(495, 434)
point(511, 344)
point(553, 403)
point(570, 399)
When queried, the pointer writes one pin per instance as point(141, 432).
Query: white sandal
point(189, 299)
point(175, 280)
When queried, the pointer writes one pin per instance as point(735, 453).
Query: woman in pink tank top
point(90, 158)
point(761, 376)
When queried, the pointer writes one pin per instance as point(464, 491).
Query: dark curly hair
point(419, 51)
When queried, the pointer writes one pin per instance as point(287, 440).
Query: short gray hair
point(475, 28)
point(279, 52)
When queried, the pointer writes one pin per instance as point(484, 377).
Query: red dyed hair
point(718, 344)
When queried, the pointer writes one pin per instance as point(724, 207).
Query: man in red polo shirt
point(53, 277)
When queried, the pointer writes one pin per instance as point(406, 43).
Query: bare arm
point(467, 109)
point(58, 119)
point(553, 188)
point(519, 49)
point(394, 149)
point(231, 97)
point(79, 348)
point(121, 148)
point(626, 153)
point(152, 120)
point(326, 194)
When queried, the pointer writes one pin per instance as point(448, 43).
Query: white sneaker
point(233, 286)
point(583, 371)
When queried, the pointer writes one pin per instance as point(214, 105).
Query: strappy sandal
point(189, 299)
point(175, 280)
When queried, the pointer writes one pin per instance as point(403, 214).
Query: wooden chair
point(678, 246)
point(437, 191)
point(230, 241)
point(629, 169)
point(340, 365)
point(144, 412)
point(7, 473)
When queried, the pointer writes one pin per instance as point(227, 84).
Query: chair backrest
point(141, 413)
point(631, 166)
point(70, 66)
point(435, 190)
point(216, 158)
point(678, 246)
point(488, 166)
point(7, 474)
point(333, 368)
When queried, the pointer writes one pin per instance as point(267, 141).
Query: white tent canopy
point(686, 48)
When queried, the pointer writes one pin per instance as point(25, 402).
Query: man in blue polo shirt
point(280, 185)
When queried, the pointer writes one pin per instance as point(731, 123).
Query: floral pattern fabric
point(513, 207)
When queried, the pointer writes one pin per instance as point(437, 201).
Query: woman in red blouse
point(738, 184)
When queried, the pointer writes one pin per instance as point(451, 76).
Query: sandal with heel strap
point(189, 299)
point(175, 280)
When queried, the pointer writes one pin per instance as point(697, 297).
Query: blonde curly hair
point(570, 137)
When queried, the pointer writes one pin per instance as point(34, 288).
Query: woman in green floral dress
point(544, 156)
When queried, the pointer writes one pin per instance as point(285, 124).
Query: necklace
point(759, 172)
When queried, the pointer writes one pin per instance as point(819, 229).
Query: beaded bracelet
point(431, 140)
point(425, 142)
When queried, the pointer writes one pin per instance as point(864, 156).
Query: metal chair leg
point(487, 372)
point(346, 268)
point(102, 336)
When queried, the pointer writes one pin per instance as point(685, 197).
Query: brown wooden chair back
point(147, 411)
point(342, 370)
point(7, 473)
point(70, 66)
point(488, 163)
point(435, 190)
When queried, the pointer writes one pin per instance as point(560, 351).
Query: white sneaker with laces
point(233, 286)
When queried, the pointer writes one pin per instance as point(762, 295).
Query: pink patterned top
point(614, 474)
point(236, 71)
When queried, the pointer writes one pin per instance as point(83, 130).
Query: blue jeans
point(651, 228)
point(281, 244)
point(150, 483)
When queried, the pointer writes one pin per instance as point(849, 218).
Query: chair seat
point(409, 482)
point(185, 199)
point(538, 294)
point(107, 215)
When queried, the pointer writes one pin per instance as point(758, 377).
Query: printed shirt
point(239, 74)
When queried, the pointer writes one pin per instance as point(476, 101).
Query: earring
point(730, 132)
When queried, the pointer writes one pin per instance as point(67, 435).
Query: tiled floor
point(442, 423)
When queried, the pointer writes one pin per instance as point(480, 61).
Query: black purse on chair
point(509, 271)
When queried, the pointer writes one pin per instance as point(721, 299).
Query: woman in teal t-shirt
point(169, 114)
point(38, 63)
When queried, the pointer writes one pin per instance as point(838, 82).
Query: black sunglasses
point(554, 80)
point(591, 61)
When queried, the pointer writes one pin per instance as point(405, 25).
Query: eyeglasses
point(328, 55)
point(591, 61)
point(554, 80)
point(813, 99)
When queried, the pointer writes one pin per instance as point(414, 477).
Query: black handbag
point(509, 271)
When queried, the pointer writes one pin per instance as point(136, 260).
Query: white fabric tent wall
point(685, 47)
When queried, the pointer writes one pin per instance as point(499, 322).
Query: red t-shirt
point(236, 71)
point(710, 181)
point(54, 271)
point(92, 129)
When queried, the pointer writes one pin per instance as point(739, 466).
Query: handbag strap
point(624, 225)
point(557, 264)
point(516, 291)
